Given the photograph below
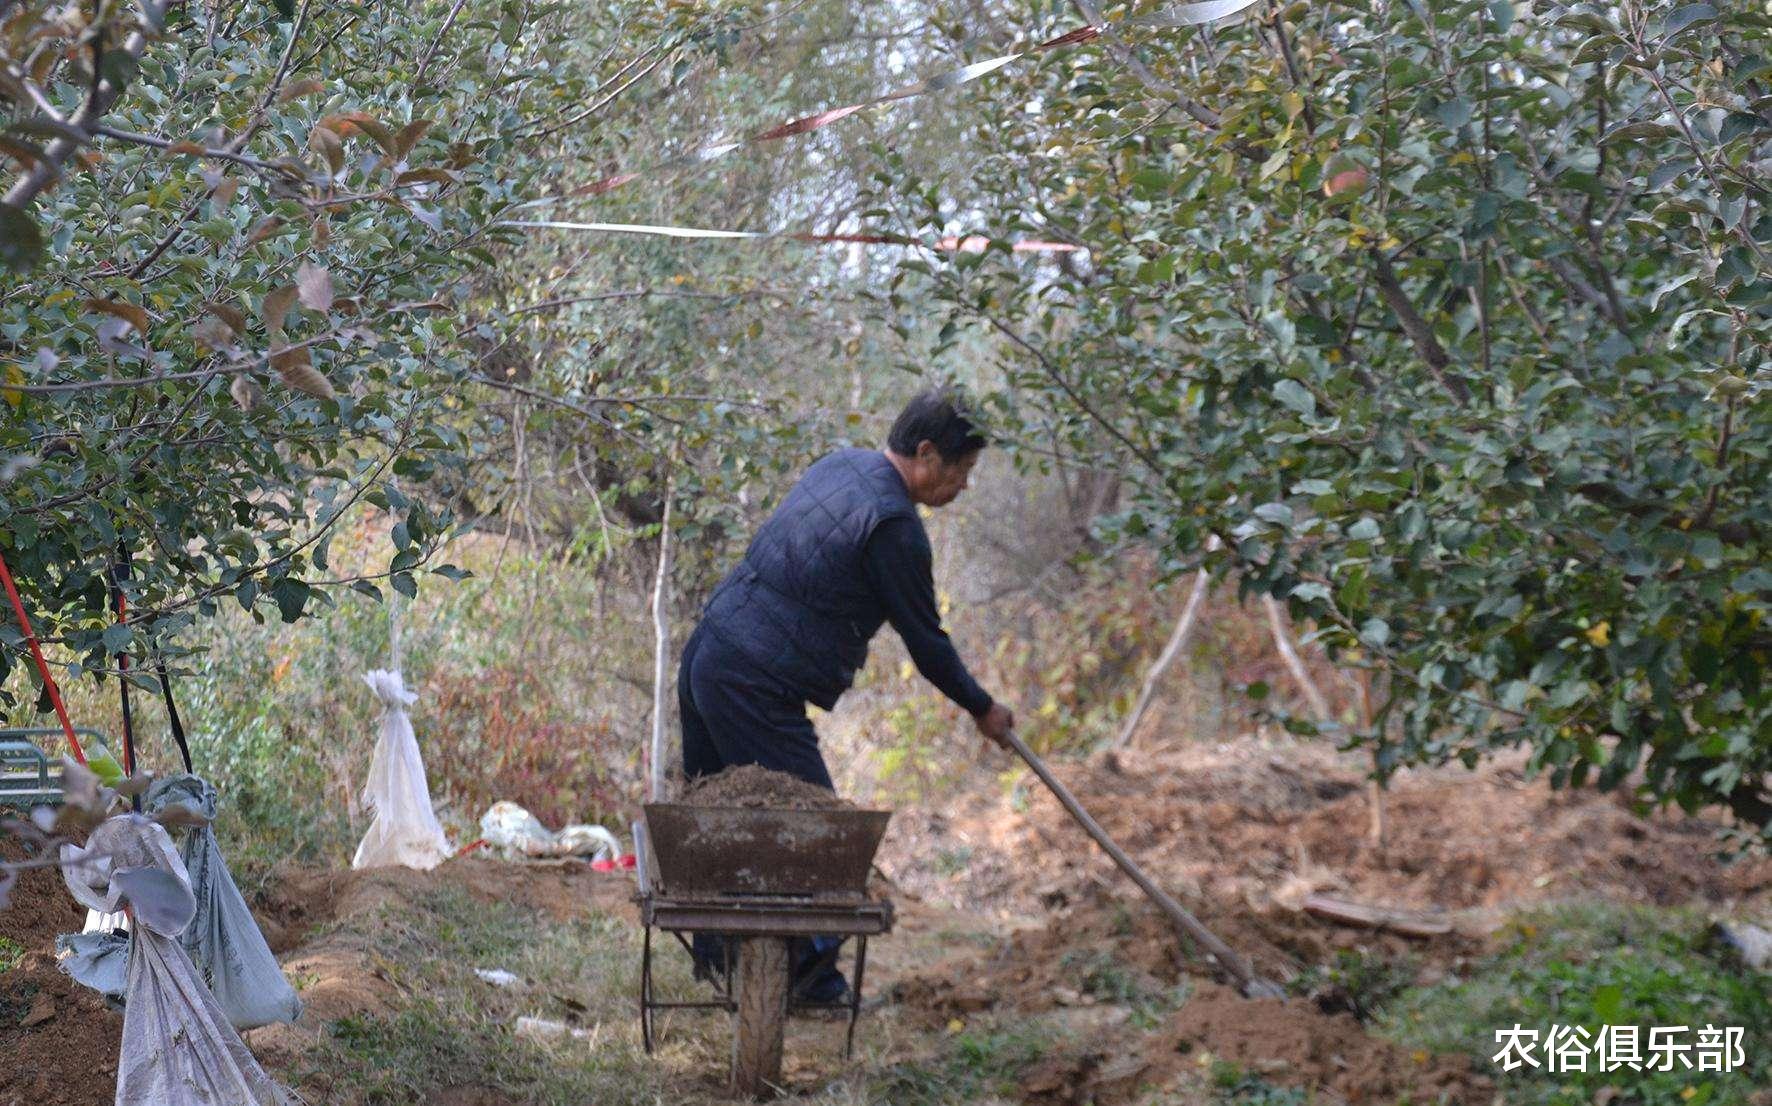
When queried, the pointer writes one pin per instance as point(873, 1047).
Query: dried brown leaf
point(229, 314)
point(212, 334)
point(224, 192)
point(292, 365)
point(407, 137)
point(432, 175)
point(325, 142)
point(263, 229)
point(275, 306)
point(297, 90)
point(21, 151)
point(357, 122)
point(314, 285)
point(246, 392)
point(131, 313)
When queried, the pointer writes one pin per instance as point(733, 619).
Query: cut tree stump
point(1376, 917)
point(761, 984)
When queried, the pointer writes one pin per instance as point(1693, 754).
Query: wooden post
point(661, 652)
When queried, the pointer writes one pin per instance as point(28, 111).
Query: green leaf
point(405, 584)
point(1608, 1004)
point(1296, 396)
point(291, 597)
point(1685, 17)
point(1375, 632)
point(117, 638)
point(21, 245)
point(1642, 129)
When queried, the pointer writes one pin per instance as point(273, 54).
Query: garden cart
point(759, 878)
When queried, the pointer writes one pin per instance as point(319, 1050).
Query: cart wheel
point(762, 999)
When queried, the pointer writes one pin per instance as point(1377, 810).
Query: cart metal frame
point(28, 777)
point(844, 914)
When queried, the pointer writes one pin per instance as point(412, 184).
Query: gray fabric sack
point(224, 939)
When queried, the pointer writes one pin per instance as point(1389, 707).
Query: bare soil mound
point(1241, 833)
point(1268, 823)
point(756, 787)
point(59, 1039)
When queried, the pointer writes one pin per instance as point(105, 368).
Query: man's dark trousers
point(734, 715)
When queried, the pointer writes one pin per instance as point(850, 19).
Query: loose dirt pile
point(756, 787)
point(1241, 833)
point(1113, 945)
point(1267, 823)
point(59, 1039)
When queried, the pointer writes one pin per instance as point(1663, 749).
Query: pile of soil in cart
point(756, 787)
point(59, 1039)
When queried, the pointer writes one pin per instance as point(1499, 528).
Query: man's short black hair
point(935, 416)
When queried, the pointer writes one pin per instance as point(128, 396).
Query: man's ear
point(926, 451)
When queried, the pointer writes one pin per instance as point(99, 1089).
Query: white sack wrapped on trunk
point(405, 830)
point(224, 939)
point(178, 1048)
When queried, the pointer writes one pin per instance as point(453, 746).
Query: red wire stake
point(55, 694)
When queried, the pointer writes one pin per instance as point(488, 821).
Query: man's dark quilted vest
point(799, 605)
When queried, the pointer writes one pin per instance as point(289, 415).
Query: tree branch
point(1420, 334)
point(104, 94)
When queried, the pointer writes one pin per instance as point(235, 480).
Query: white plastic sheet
point(178, 1048)
point(224, 940)
point(405, 830)
point(515, 832)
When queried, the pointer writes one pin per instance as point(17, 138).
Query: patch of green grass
point(12, 954)
point(951, 862)
point(1232, 1086)
point(977, 1066)
point(453, 1030)
point(1369, 981)
point(1594, 965)
point(1104, 978)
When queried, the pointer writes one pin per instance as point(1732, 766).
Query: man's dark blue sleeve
point(901, 568)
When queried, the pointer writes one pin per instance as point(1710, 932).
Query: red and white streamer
point(1182, 15)
point(971, 243)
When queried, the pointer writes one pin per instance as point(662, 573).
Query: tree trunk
point(1276, 620)
point(761, 987)
point(1177, 641)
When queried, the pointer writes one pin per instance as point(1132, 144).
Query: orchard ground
point(1023, 968)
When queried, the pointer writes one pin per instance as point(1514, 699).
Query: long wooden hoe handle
point(1253, 985)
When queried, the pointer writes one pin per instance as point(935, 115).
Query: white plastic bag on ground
point(405, 830)
point(224, 940)
point(178, 1048)
point(515, 832)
